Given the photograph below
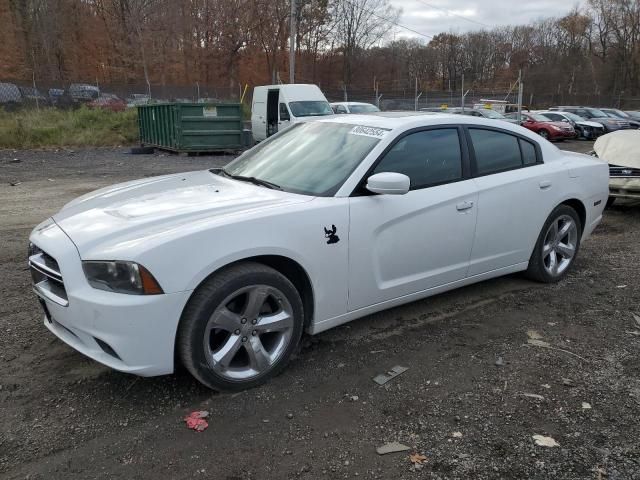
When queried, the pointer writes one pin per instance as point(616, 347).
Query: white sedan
point(353, 107)
point(323, 223)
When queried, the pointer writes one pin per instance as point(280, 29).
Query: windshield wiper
point(254, 180)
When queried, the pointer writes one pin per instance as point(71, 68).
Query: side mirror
point(389, 183)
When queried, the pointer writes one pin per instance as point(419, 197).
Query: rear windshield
point(310, 108)
point(309, 158)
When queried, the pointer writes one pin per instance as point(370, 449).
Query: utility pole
point(292, 43)
point(462, 94)
point(415, 97)
point(519, 95)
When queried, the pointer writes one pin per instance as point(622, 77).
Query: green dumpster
point(191, 127)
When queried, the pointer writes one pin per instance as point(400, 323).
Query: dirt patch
point(470, 366)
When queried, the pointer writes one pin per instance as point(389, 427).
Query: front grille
point(47, 279)
point(624, 172)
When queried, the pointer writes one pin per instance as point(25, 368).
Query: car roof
point(350, 103)
point(411, 119)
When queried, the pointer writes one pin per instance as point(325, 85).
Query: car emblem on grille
point(626, 171)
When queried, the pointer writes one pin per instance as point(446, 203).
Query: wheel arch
point(580, 209)
point(288, 267)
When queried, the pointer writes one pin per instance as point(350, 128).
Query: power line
point(389, 21)
point(454, 14)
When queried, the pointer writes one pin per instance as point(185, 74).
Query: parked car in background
point(486, 113)
point(108, 101)
point(323, 223)
point(621, 150)
point(353, 107)
point(545, 127)
point(596, 115)
point(633, 114)
point(584, 128)
point(136, 99)
point(31, 97)
point(10, 96)
point(83, 92)
point(616, 113)
point(60, 98)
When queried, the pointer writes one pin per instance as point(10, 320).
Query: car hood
point(609, 120)
point(132, 211)
point(587, 123)
point(619, 148)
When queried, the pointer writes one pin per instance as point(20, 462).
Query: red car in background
point(108, 101)
point(546, 127)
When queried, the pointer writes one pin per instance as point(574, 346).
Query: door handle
point(461, 207)
point(545, 184)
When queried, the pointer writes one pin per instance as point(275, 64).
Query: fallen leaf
point(586, 406)
point(456, 434)
point(533, 395)
point(391, 447)
point(621, 286)
point(545, 441)
point(532, 334)
point(545, 385)
point(636, 318)
point(418, 459)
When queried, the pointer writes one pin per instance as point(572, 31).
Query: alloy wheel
point(559, 246)
point(248, 332)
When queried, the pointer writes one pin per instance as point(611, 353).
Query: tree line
point(594, 49)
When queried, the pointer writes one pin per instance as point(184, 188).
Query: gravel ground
point(475, 393)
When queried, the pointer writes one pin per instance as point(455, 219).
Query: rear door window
point(494, 151)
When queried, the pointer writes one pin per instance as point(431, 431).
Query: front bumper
point(129, 333)
point(620, 187)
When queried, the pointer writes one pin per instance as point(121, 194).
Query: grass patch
point(83, 127)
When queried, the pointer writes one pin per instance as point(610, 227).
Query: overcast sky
point(430, 20)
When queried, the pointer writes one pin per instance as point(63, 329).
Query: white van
point(277, 106)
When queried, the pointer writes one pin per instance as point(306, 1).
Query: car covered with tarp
point(621, 150)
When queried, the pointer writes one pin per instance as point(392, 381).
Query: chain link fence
point(19, 95)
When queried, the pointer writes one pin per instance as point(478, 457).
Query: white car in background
point(322, 223)
point(353, 107)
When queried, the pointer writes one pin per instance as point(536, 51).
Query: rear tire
point(544, 134)
point(557, 246)
point(241, 327)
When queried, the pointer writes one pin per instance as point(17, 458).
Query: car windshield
point(614, 112)
point(597, 113)
point(574, 117)
point(363, 108)
point(538, 117)
point(492, 113)
point(310, 108)
point(308, 158)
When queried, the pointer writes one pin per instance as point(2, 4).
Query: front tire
point(557, 246)
point(240, 327)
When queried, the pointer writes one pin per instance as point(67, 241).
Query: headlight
point(121, 277)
